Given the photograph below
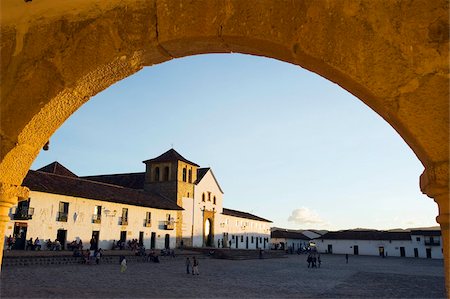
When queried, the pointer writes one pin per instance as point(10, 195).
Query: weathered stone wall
point(393, 55)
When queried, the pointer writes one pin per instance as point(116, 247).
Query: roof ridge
point(83, 179)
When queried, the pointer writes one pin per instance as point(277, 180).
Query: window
point(63, 211)
point(168, 217)
point(214, 200)
point(148, 219)
point(242, 238)
point(260, 239)
point(97, 217)
point(166, 173)
point(203, 197)
point(252, 239)
point(188, 195)
point(23, 211)
point(157, 174)
point(190, 176)
point(418, 239)
point(209, 196)
point(184, 174)
point(124, 219)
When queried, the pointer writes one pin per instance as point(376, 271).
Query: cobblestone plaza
point(362, 277)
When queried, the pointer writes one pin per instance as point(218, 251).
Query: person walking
point(188, 265)
point(195, 267)
point(309, 260)
point(346, 258)
point(123, 265)
point(319, 261)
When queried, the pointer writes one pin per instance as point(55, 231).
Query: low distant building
point(173, 203)
point(289, 240)
point(420, 244)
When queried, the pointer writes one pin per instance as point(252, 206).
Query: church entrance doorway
point(209, 239)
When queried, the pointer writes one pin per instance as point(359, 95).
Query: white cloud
point(305, 216)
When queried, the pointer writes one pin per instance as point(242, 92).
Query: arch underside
point(385, 54)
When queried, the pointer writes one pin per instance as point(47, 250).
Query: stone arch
point(385, 53)
point(208, 233)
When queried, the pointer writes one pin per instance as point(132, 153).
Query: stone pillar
point(8, 197)
point(434, 182)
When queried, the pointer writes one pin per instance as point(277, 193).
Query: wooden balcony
point(123, 221)
point(62, 217)
point(169, 225)
point(96, 218)
point(23, 214)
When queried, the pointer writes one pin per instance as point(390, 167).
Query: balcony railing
point(62, 216)
point(23, 214)
point(169, 225)
point(433, 243)
point(96, 218)
point(147, 222)
point(123, 221)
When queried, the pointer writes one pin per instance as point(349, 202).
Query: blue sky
point(284, 143)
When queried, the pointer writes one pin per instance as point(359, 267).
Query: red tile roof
point(57, 168)
point(287, 234)
point(77, 187)
point(127, 180)
point(170, 156)
point(240, 214)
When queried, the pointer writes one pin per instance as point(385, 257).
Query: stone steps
point(14, 261)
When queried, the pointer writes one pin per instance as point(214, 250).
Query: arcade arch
point(393, 59)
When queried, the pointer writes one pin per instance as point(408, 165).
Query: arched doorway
point(208, 234)
point(403, 77)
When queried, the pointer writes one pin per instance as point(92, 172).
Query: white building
point(174, 203)
point(421, 244)
point(292, 240)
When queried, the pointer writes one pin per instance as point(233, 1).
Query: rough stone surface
point(362, 277)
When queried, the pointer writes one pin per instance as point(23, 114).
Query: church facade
point(173, 203)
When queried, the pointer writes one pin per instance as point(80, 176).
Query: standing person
point(37, 244)
point(195, 267)
point(309, 260)
point(9, 243)
point(346, 258)
point(188, 265)
point(319, 260)
point(98, 255)
point(92, 244)
point(123, 265)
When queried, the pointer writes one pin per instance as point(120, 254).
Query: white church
point(173, 203)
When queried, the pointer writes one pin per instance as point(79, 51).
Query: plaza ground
point(362, 277)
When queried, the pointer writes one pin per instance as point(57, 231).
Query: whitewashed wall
point(436, 251)
point(193, 211)
point(80, 226)
point(236, 226)
point(370, 247)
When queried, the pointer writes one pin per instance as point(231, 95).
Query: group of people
point(55, 245)
point(314, 260)
point(74, 245)
point(89, 256)
point(132, 245)
point(194, 266)
point(36, 245)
